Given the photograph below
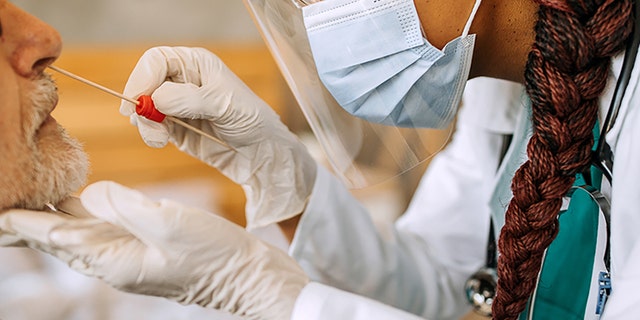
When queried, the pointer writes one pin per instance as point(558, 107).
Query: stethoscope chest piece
point(481, 290)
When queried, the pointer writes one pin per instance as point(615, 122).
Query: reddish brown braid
point(566, 73)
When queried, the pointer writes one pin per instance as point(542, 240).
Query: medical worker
point(564, 223)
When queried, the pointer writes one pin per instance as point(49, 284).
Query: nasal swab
point(144, 106)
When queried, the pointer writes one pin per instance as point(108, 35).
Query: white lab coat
point(441, 239)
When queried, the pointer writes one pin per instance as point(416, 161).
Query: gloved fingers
point(212, 69)
point(95, 248)
point(29, 226)
point(148, 74)
point(11, 240)
point(154, 134)
point(33, 229)
point(156, 66)
point(154, 223)
point(202, 87)
point(103, 199)
point(127, 109)
point(235, 117)
point(188, 101)
point(183, 64)
point(223, 88)
point(133, 119)
point(88, 245)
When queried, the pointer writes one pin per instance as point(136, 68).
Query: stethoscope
point(481, 287)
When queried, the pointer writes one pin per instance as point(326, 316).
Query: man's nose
point(34, 44)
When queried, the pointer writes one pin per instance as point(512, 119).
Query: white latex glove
point(274, 168)
point(164, 249)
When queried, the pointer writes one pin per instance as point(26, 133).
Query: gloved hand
point(274, 168)
point(164, 249)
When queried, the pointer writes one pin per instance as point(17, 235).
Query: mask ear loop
point(467, 26)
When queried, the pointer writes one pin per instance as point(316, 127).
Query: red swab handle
point(147, 109)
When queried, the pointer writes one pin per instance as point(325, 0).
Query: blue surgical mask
point(372, 58)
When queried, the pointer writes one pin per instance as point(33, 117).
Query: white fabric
point(320, 302)
point(501, 115)
point(624, 139)
point(164, 249)
point(272, 165)
point(407, 273)
point(435, 246)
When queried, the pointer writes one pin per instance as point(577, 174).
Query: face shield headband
point(385, 118)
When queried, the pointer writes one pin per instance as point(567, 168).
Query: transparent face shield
point(361, 153)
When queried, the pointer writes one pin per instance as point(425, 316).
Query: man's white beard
point(61, 168)
point(55, 163)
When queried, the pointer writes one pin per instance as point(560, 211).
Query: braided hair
point(566, 72)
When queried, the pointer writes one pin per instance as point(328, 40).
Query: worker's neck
point(504, 32)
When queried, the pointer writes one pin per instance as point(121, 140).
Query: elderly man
point(116, 234)
point(393, 78)
point(111, 232)
point(41, 163)
point(41, 166)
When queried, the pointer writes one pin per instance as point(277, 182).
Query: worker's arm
point(422, 265)
point(441, 239)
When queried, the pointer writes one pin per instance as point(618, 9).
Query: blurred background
point(103, 40)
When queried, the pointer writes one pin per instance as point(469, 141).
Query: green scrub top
point(567, 273)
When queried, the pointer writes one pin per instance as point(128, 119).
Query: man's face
point(39, 162)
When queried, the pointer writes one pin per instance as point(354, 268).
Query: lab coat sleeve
point(337, 244)
point(422, 265)
point(320, 302)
